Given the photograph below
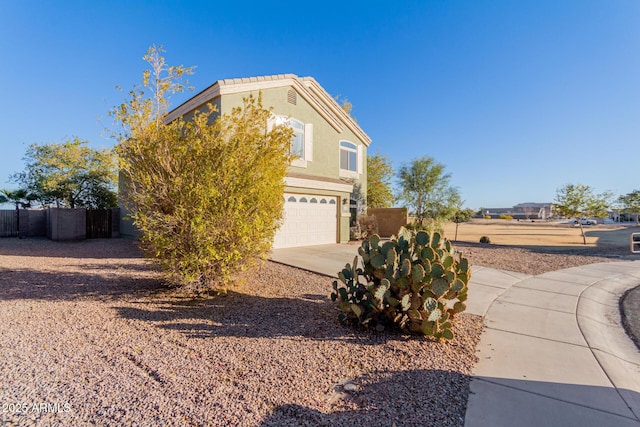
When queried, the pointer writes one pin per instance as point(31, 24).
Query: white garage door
point(308, 220)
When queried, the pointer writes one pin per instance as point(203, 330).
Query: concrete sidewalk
point(553, 352)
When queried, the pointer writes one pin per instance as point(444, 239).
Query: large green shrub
point(416, 283)
point(205, 193)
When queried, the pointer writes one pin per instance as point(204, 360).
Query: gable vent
point(292, 97)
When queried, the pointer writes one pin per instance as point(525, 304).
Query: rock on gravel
point(91, 336)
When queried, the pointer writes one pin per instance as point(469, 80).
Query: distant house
point(330, 149)
point(521, 211)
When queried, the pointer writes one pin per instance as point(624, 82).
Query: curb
point(600, 322)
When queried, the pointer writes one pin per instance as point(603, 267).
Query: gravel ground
point(539, 260)
point(91, 336)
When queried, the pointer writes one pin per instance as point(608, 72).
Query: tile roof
point(308, 88)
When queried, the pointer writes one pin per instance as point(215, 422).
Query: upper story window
point(301, 142)
point(297, 142)
point(348, 156)
point(351, 157)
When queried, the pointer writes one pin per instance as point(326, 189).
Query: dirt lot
point(542, 234)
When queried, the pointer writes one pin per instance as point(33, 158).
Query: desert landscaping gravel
point(90, 335)
point(539, 260)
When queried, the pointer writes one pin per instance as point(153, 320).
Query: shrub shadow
point(32, 284)
point(400, 398)
point(249, 316)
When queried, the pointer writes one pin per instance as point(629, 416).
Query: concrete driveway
point(322, 259)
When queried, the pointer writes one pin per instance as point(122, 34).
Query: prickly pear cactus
point(415, 282)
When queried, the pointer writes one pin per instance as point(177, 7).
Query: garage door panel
point(306, 223)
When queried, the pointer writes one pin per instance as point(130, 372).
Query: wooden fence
point(99, 223)
point(8, 223)
point(61, 223)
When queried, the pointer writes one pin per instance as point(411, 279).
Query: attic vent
point(292, 98)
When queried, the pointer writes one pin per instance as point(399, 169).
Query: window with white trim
point(302, 140)
point(297, 141)
point(348, 156)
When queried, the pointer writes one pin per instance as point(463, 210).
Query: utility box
point(635, 243)
point(66, 224)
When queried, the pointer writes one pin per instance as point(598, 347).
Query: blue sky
point(516, 98)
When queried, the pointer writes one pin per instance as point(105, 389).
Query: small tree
point(426, 191)
point(631, 204)
point(345, 104)
point(19, 198)
point(379, 174)
point(69, 174)
point(459, 216)
point(577, 201)
point(206, 194)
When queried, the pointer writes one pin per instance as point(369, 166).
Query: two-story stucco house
point(331, 152)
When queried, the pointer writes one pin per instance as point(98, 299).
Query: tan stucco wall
point(326, 137)
point(326, 140)
point(326, 145)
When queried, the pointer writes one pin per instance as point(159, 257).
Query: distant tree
point(578, 201)
point(19, 198)
point(631, 203)
point(346, 105)
point(69, 174)
point(459, 216)
point(379, 175)
point(425, 189)
point(206, 195)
